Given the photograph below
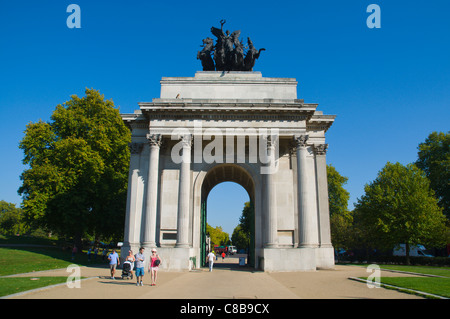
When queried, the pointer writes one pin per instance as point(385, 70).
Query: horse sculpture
point(228, 52)
point(205, 55)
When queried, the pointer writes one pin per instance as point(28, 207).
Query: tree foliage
point(399, 207)
point(241, 234)
point(78, 168)
point(11, 219)
point(217, 235)
point(338, 196)
point(240, 238)
point(340, 217)
point(434, 160)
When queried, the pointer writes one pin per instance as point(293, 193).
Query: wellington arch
point(229, 126)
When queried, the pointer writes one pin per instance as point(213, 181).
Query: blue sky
point(389, 87)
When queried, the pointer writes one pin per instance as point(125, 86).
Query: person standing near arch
point(155, 261)
point(113, 262)
point(140, 258)
point(211, 258)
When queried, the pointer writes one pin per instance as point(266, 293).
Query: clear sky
point(389, 87)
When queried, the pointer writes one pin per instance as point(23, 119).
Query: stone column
point(322, 195)
point(307, 217)
point(154, 141)
point(183, 193)
point(271, 216)
point(130, 221)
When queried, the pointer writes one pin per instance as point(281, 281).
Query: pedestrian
point(104, 253)
point(89, 252)
point(140, 258)
point(223, 256)
point(74, 251)
point(153, 267)
point(211, 257)
point(95, 253)
point(113, 258)
point(130, 258)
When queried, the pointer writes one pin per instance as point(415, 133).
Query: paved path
point(223, 283)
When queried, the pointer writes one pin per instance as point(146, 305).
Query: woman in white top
point(131, 259)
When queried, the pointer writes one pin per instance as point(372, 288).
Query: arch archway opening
point(225, 190)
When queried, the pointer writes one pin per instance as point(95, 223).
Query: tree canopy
point(399, 207)
point(217, 235)
point(76, 183)
point(241, 233)
point(11, 219)
point(340, 217)
point(434, 160)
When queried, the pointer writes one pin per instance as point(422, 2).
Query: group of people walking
point(138, 260)
point(211, 257)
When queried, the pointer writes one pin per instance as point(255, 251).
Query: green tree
point(341, 218)
point(240, 238)
point(11, 219)
point(399, 207)
point(217, 235)
point(338, 196)
point(78, 169)
point(242, 232)
point(434, 160)
point(245, 220)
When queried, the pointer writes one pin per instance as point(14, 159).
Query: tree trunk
point(407, 253)
point(77, 242)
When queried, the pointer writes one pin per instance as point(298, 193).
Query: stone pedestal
point(286, 259)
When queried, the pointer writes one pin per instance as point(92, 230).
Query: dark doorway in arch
point(215, 176)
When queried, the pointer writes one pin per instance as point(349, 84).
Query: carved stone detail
point(135, 148)
point(300, 140)
point(320, 149)
point(154, 139)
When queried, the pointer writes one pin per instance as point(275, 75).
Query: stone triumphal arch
point(229, 126)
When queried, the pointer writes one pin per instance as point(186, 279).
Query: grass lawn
point(438, 271)
point(9, 286)
point(29, 259)
point(26, 257)
point(20, 260)
point(432, 285)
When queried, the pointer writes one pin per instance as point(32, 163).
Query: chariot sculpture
point(229, 53)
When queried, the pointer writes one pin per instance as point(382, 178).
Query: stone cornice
point(226, 105)
point(228, 110)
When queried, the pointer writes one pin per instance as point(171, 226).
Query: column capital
point(154, 139)
point(186, 139)
point(320, 149)
point(271, 141)
point(300, 140)
point(135, 148)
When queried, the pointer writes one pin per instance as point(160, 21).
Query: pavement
point(227, 281)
